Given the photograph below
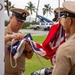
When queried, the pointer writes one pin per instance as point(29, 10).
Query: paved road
point(37, 32)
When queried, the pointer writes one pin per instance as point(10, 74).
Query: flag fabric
point(38, 48)
point(55, 37)
point(14, 47)
point(17, 48)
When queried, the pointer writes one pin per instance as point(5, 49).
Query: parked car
point(35, 26)
point(43, 25)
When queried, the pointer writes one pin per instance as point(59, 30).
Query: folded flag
point(17, 48)
point(38, 48)
point(13, 47)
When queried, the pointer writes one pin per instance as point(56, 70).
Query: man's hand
point(28, 48)
point(29, 51)
point(17, 36)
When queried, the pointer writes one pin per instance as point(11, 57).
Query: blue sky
point(23, 3)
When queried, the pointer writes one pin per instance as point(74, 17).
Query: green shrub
point(6, 23)
point(26, 24)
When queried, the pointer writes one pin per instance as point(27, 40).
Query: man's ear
point(11, 17)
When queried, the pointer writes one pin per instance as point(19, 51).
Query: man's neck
point(14, 31)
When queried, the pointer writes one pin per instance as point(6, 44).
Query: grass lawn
point(34, 64)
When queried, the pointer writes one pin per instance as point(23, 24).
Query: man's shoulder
point(6, 28)
point(65, 48)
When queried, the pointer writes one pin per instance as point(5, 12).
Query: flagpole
point(6, 6)
point(2, 37)
point(59, 7)
point(37, 10)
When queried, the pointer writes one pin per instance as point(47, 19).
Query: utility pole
point(37, 10)
point(59, 7)
point(1, 37)
point(7, 6)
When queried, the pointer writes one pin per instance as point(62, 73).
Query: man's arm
point(7, 38)
point(63, 59)
point(28, 51)
point(16, 36)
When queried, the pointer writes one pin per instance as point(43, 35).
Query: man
point(12, 32)
point(65, 56)
point(58, 12)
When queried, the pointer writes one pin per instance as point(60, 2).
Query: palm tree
point(8, 5)
point(47, 9)
point(31, 8)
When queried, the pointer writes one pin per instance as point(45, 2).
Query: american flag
point(55, 37)
point(38, 48)
point(14, 48)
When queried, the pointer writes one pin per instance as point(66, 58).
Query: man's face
point(16, 24)
point(65, 23)
point(62, 20)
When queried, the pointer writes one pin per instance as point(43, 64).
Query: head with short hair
point(58, 11)
point(69, 9)
point(17, 19)
point(69, 16)
point(20, 14)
